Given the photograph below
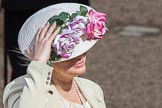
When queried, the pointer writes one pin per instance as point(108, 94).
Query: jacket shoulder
point(15, 85)
point(88, 83)
point(20, 81)
point(84, 80)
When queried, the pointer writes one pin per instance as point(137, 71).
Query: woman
point(51, 80)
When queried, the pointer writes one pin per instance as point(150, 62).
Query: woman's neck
point(65, 84)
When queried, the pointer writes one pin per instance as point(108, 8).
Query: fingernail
point(59, 28)
point(26, 50)
point(47, 23)
point(54, 23)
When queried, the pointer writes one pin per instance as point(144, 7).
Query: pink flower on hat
point(96, 28)
point(64, 44)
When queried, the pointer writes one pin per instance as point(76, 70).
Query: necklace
point(78, 92)
point(68, 105)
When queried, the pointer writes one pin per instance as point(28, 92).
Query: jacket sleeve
point(31, 90)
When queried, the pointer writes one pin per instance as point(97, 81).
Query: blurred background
point(127, 62)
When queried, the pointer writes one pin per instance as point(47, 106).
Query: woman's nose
point(78, 58)
point(81, 56)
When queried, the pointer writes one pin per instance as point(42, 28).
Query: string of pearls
point(79, 93)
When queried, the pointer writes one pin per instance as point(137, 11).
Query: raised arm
point(31, 90)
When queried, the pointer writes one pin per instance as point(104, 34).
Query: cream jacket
point(35, 90)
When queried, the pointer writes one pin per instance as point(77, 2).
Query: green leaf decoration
point(57, 58)
point(49, 63)
point(83, 10)
point(73, 15)
point(53, 19)
point(63, 16)
point(54, 56)
point(107, 26)
point(59, 22)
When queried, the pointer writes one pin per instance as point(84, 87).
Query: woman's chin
point(78, 71)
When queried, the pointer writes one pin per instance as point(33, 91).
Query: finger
point(54, 34)
point(44, 30)
point(38, 34)
point(28, 52)
point(50, 30)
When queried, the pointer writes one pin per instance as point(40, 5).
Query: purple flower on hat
point(64, 44)
point(81, 19)
point(76, 27)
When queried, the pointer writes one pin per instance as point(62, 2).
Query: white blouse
point(69, 104)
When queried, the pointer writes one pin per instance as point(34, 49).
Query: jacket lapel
point(55, 100)
point(89, 94)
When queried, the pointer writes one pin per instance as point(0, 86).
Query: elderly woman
point(56, 40)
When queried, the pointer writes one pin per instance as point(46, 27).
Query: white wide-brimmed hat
point(26, 36)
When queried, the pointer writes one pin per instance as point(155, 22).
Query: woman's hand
point(44, 39)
